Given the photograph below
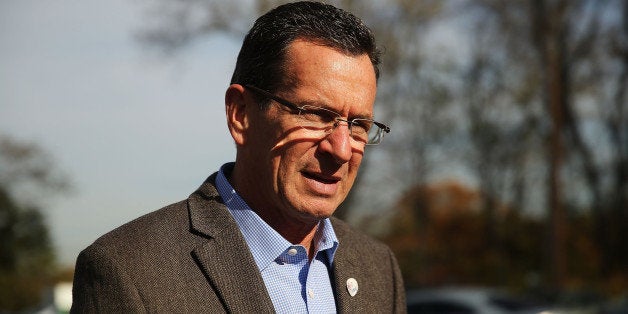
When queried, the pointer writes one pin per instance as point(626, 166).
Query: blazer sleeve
point(101, 286)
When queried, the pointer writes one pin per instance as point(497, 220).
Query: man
point(257, 236)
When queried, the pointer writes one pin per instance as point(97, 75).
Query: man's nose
point(338, 143)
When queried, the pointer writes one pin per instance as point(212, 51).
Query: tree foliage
point(27, 261)
point(440, 239)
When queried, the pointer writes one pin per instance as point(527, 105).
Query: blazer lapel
point(343, 270)
point(224, 258)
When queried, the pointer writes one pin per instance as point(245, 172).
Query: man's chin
point(320, 209)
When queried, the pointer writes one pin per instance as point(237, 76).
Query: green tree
point(27, 261)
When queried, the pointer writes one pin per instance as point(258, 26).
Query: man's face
point(302, 176)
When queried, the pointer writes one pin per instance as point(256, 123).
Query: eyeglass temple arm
point(273, 97)
point(382, 126)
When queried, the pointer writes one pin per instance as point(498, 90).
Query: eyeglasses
point(318, 119)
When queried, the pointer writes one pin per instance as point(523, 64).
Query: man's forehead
point(303, 57)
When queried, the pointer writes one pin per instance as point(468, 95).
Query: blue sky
point(132, 131)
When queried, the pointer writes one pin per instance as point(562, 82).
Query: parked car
point(469, 301)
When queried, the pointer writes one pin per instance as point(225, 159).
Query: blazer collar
point(224, 258)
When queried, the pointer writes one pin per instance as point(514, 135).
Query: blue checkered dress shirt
point(294, 284)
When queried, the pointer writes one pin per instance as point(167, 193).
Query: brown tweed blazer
point(190, 257)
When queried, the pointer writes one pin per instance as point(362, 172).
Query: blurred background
point(506, 166)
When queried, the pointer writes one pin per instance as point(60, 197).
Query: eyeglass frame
point(383, 128)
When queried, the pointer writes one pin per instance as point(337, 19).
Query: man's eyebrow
point(362, 116)
point(317, 103)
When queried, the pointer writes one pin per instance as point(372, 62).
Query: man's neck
point(306, 235)
point(296, 230)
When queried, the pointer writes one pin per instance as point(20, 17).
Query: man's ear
point(237, 118)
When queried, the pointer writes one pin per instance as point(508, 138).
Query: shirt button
point(310, 293)
point(292, 252)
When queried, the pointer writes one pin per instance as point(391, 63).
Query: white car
point(468, 301)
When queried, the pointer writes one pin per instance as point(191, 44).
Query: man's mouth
point(326, 179)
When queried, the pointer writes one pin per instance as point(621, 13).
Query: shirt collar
point(264, 242)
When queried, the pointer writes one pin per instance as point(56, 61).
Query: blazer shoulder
point(159, 227)
point(151, 225)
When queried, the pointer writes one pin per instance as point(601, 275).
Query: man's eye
point(321, 115)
